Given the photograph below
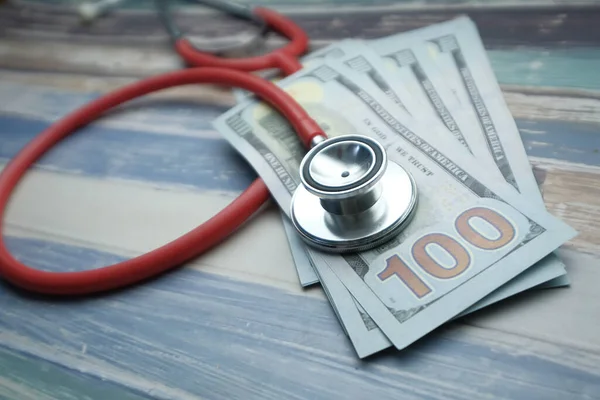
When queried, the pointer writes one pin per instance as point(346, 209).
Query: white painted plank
point(131, 218)
point(566, 316)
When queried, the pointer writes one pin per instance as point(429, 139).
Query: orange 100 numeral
point(462, 259)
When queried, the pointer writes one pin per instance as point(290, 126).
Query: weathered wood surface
point(233, 323)
point(567, 23)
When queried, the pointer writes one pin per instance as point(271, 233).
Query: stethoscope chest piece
point(351, 198)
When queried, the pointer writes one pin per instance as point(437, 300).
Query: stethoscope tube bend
point(351, 198)
point(284, 58)
point(176, 252)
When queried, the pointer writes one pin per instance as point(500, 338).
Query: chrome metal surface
point(357, 231)
point(316, 140)
point(341, 164)
point(353, 205)
point(343, 167)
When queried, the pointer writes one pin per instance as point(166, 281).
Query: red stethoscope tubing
point(284, 58)
point(188, 246)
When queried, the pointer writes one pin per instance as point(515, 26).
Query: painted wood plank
point(566, 141)
point(573, 311)
point(525, 102)
point(181, 112)
point(134, 218)
point(501, 24)
point(520, 66)
point(193, 334)
point(119, 146)
point(572, 193)
point(144, 5)
point(570, 67)
point(26, 377)
point(150, 217)
point(161, 146)
point(211, 163)
point(567, 105)
point(99, 151)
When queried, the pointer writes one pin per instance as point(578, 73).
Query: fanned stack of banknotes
point(481, 232)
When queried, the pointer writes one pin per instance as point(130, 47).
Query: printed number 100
point(397, 267)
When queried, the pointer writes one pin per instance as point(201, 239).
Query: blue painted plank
point(27, 377)
point(102, 151)
point(217, 338)
point(559, 140)
point(212, 164)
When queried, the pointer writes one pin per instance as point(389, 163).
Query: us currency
point(392, 66)
point(270, 145)
point(365, 336)
point(549, 271)
point(364, 67)
point(451, 55)
point(356, 55)
point(306, 273)
point(408, 288)
point(433, 97)
point(362, 331)
point(452, 51)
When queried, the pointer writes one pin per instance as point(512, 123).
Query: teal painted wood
point(190, 334)
point(26, 377)
point(559, 68)
point(526, 67)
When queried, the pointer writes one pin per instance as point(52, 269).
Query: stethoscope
point(352, 198)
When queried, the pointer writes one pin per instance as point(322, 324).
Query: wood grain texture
point(558, 24)
point(27, 377)
point(522, 66)
point(171, 144)
point(233, 323)
point(581, 210)
point(227, 338)
point(142, 202)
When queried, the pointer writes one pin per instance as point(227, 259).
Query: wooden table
point(235, 323)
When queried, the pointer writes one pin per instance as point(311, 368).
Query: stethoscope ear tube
point(284, 58)
point(232, 9)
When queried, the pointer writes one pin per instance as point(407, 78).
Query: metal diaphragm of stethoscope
point(352, 198)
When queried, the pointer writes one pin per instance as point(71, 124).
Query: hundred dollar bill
point(395, 70)
point(270, 145)
point(429, 275)
point(306, 273)
point(357, 55)
point(367, 64)
point(451, 55)
point(433, 96)
point(334, 50)
point(550, 270)
point(362, 331)
point(453, 50)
